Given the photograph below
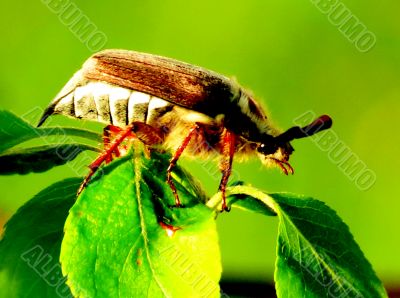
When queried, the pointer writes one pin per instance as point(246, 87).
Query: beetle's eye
point(264, 149)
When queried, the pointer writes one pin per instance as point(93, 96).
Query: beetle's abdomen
point(111, 104)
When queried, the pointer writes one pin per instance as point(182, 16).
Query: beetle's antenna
point(296, 132)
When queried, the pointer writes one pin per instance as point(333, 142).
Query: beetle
point(175, 106)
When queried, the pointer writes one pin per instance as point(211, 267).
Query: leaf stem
point(216, 200)
point(83, 133)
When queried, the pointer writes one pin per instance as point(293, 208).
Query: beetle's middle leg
point(195, 129)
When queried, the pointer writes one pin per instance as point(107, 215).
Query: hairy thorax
point(207, 140)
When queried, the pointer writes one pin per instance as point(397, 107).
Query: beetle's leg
point(106, 154)
point(228, 151)
point(174, 159)
point(107, 132)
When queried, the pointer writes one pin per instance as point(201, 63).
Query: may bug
point(177, 106)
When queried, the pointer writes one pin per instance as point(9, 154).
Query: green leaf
point(316, 253)
point(30, 246)
point(39, 159)
point(14, 131)
point(116, 242)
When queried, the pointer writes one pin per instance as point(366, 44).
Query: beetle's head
point(277, 150)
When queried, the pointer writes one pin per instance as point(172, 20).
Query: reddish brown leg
point(169, 229)
point(228, 150)
point(106, 154)
point(107, 132)
point(174, 159)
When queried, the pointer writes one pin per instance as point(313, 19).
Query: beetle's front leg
point(228, 151)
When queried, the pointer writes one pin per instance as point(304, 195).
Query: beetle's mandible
point(176, 106)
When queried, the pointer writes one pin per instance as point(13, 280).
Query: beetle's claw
point(225, 208)
point(177, 206)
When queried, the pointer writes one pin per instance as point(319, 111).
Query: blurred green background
point(288, 54)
